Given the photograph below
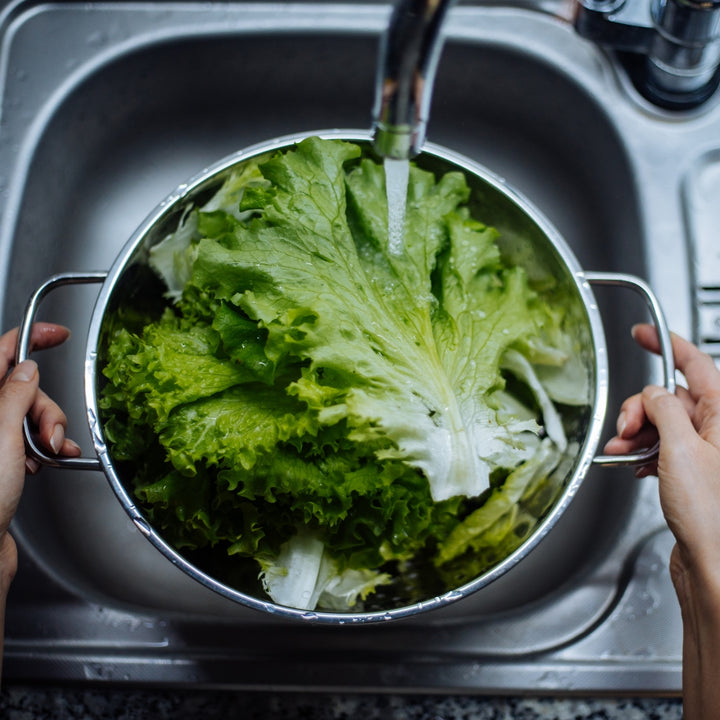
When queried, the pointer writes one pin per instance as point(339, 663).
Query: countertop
point(24, 703)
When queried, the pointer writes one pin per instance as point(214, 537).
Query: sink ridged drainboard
point(703, 216)
point(708, 319)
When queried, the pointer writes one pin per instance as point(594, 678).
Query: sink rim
point(373, 13)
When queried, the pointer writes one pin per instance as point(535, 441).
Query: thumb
point(16, 398)
point(18, 394)
point(667, 413)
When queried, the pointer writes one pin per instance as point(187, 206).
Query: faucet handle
point(685, 54)
point(673, 46)
point(689, 22)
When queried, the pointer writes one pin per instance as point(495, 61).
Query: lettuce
point(330, 412)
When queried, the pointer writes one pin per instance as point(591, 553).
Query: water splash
point(396, 182)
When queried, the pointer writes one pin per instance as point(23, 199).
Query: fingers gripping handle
point(668, 364)
point(23, 351)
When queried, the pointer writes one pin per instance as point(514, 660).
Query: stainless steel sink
point(107, 107)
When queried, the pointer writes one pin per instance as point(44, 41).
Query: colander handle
point(23, 351)
point(668, 363)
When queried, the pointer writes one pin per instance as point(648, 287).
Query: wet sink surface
point(149, 97)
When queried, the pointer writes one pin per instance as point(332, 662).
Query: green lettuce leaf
point(304, 576)
point(332, 411)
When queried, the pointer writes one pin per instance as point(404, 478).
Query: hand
point(688, 469)
point(20, 396)
point(688, 465)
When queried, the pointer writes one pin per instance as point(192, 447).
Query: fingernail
point(25, 371)
point(31, 465)
point(621, 423)
point(57, 438)
point(633, 329)
point(72, 445)
point(653, 391)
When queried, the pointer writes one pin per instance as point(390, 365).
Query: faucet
point(409, 53)
point(670, 49)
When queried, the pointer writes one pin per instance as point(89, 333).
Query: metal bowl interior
point(526, 239)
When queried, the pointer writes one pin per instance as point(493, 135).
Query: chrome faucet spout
point(409, 54)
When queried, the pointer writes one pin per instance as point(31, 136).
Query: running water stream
point(396, 182)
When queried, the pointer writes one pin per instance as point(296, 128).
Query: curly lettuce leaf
point(382, 355)
point(315, 400)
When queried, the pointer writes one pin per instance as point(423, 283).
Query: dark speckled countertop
point(24, 703)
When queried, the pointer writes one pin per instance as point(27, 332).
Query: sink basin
point(107, 108)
